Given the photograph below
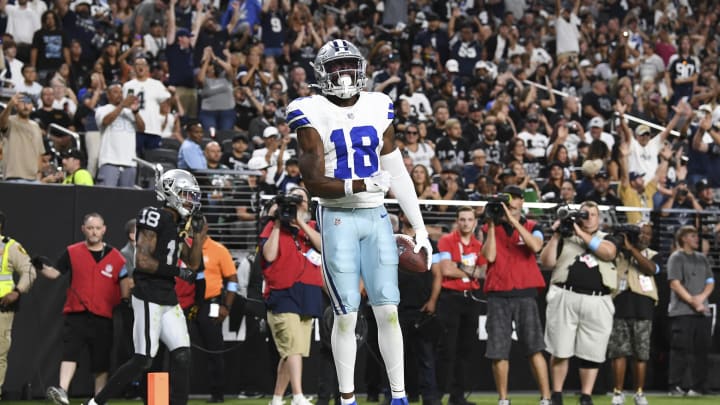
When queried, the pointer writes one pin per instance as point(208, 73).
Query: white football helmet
point(180, 191)
point(340, 69)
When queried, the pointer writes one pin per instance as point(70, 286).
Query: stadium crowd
point(611, 102)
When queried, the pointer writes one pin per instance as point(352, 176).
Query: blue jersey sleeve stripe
point(390, 107)
point(444, 256)
point(294, 114)
point(391, 115)
point(298, 123)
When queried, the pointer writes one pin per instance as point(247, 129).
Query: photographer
point(512, 283)
point(579, 305)
point(635, 300)
point(291, 259)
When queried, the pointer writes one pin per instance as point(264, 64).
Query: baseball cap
point(431, 16)
point(73, 153)
point(156, 22)
point(513, 190)
point(257, 163)
point(635, 175)
point(417, 62)
point(393, 57)
point(602, 174)
point(452, 66)
point(270, 131)
point(475, 107)
point(597, 122)
point(642, 129)
point(532, 117)
point(701, 185)
point(481, 64)
point(585, 63)
point(183, 32)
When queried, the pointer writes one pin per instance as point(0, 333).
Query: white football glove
point(378, 182)
point(423, 242)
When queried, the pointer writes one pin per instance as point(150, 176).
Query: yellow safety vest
point(6, 275)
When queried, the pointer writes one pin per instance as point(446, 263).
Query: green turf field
point(480, 399)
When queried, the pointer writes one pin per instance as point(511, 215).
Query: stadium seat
point(162, 155)
point(171, 143)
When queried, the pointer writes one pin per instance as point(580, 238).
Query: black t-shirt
point(45, 118)
point(234, 162)
point(602, 104)
point(159, 289)
point(50, 46)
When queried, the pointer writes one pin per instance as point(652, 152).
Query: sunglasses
point(411, 132)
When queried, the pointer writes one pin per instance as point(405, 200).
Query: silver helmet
point(340, 69)
point(180, 191)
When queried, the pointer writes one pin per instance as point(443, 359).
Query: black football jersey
point(159, 289)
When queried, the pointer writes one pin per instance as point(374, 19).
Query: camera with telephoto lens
point(632, 232)
point(568, 217)
point(493, 209)
point(287, 207)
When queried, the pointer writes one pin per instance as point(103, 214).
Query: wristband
point(594, 243)
point(232, 286)
point(348, 187)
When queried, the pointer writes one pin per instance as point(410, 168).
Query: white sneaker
point(640, 399)
point(301, 401)
point(618, 398)
point(693, 393)
point(503, 402)
point(276, 402)
point(545, 402)
point(58, 396)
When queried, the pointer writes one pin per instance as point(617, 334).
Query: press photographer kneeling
point(579, 305)
point(290, 260)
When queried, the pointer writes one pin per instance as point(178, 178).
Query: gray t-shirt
point(693, 271)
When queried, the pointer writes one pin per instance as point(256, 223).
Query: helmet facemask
point(340, 69)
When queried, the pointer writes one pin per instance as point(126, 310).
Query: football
point(408, 260)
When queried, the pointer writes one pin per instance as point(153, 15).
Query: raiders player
point(159, 244)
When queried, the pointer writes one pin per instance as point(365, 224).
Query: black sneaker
point(556, 398)
point(459, 401)
point(586, 399)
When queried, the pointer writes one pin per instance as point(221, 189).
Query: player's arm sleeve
point(295, 116)
point(402, 187)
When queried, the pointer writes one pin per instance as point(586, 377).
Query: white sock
point(348, 401)
point(92, 402)
point(390, 342)
point(344, 349)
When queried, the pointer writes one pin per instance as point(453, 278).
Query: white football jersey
point(352, 138)
point(150, 93)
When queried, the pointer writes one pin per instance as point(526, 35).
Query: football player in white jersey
point(349, 160)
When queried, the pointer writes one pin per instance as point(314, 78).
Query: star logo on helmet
point(337, 221)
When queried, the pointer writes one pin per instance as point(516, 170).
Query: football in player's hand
point(410, 261)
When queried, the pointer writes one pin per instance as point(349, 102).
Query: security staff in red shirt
point(461, 264)
point(98, 282)
point(512, 283)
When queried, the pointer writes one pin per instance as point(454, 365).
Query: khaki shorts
point(578, 324)
point(291, 333)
